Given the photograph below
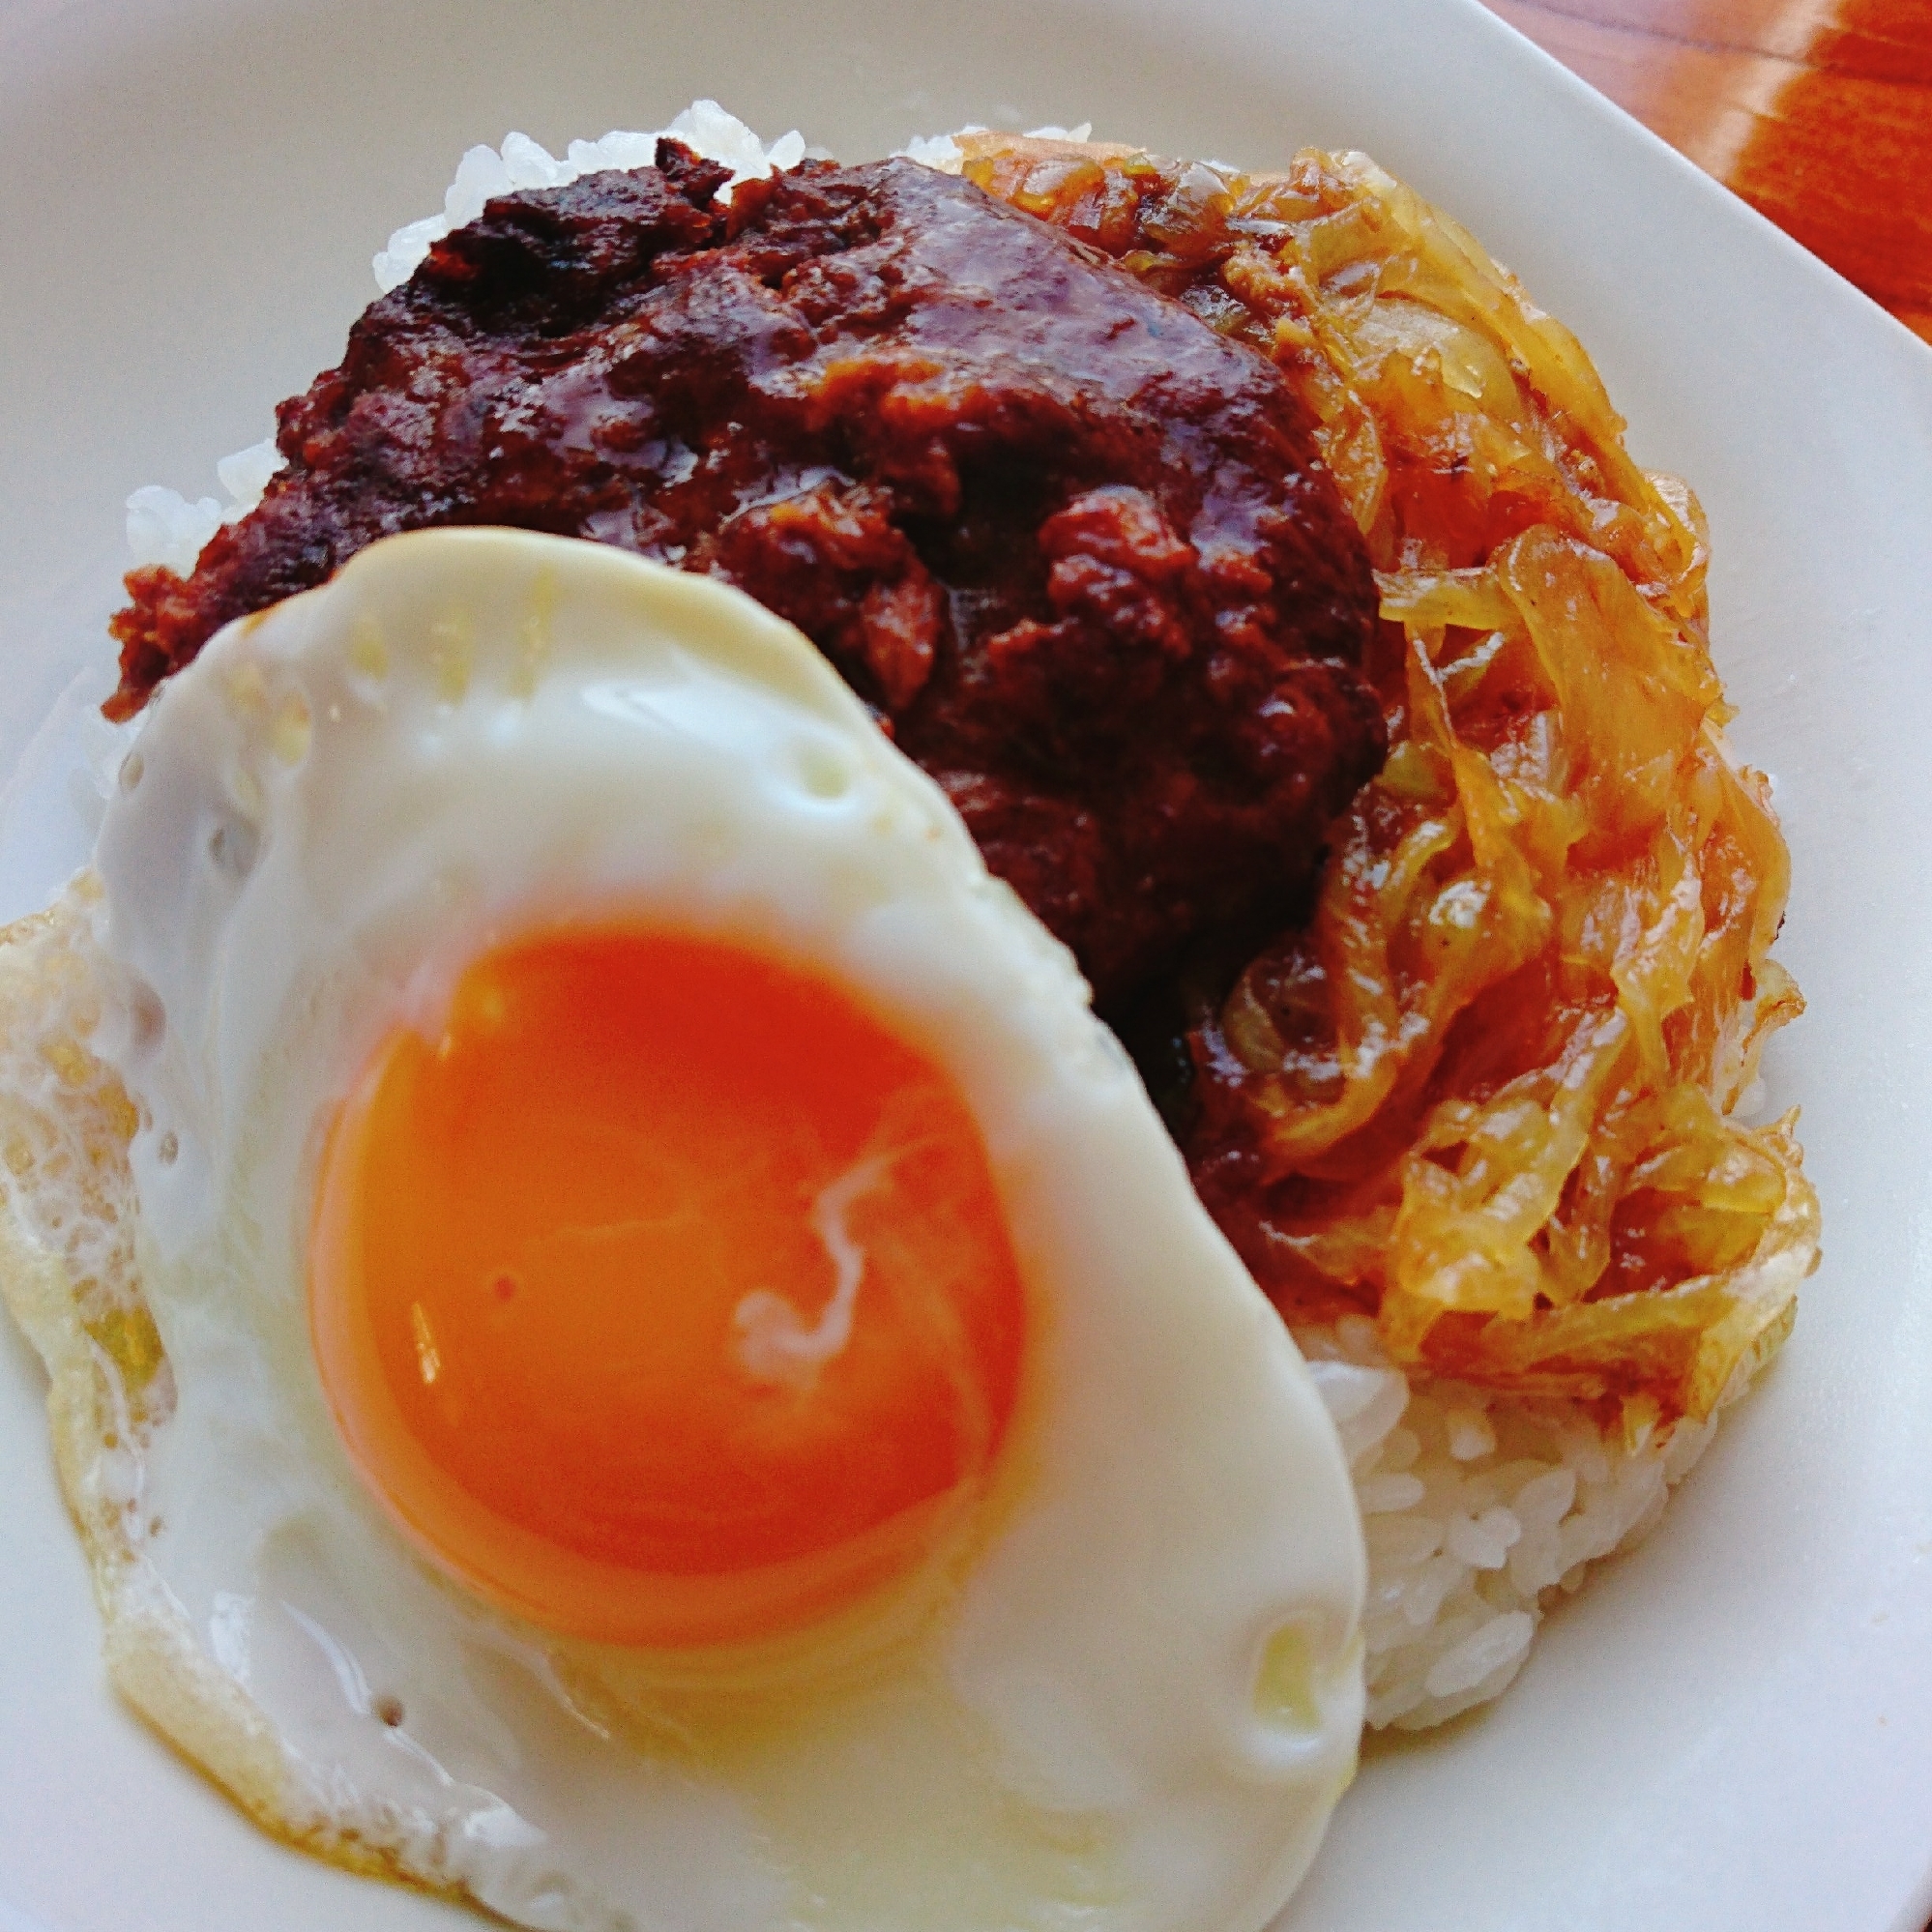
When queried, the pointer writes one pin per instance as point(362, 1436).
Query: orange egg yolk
point(667, 1299)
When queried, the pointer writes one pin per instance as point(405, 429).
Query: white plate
point(1731, 1729)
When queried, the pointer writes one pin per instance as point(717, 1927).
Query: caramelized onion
point(1485, 1095)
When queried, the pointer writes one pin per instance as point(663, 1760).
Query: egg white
point(1130, 1702)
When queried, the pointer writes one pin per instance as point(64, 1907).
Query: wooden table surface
point(1818, 112)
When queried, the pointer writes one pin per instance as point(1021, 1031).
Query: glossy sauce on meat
point(1072, 545)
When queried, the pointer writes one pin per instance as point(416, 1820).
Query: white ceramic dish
point(1732, 1727)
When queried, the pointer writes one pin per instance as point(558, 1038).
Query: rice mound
point(1483, 1508)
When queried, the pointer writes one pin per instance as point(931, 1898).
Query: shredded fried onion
point(1485, 1094)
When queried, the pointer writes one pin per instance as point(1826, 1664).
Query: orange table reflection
point(1818, 112)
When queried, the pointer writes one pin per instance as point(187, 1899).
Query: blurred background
point(1818, 112)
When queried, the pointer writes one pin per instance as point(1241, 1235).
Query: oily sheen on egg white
point(1128, 1693)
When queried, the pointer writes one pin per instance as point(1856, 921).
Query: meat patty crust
point(1073, 547)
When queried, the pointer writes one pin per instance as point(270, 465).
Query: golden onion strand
point(1485, 1094)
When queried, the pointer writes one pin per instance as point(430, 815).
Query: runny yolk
point(667, 1299)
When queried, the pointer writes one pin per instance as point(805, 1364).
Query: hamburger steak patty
point(1074, 549)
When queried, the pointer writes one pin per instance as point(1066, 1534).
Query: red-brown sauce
point(1072, 545)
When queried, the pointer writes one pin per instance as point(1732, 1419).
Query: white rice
point(1481, 1511)
point(164, 528)
point(485, 172)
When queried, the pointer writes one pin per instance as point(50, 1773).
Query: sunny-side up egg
point(704, 1396)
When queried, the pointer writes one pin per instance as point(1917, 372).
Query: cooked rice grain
point(1480, 1511)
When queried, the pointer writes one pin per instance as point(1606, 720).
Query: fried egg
point(696, 1391)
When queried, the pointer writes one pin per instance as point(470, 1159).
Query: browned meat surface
point(1071, 544)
